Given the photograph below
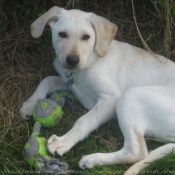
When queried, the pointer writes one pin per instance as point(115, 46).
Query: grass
point(24, 62)
point(164, 166)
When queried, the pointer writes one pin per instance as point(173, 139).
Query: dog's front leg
point(46, 86)
point(103, 111)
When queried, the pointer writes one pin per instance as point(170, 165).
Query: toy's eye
point(85, 37)
point(63, 34)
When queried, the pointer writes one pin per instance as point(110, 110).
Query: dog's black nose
point(72, 60)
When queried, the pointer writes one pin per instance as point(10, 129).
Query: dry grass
point(25, 61)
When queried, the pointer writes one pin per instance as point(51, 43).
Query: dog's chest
point(85, 95)
point(81, 85)
point(83, 90)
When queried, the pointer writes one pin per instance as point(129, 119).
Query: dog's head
point(75, 35)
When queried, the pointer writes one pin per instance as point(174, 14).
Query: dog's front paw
point(58, 145)
point(27, 109)
point(91, 160)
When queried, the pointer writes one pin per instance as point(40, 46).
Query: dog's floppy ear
point(50, 17)
point(105, 32)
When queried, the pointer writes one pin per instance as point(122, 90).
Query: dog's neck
point(70, 79)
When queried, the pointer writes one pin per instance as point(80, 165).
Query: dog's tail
point(152, 156)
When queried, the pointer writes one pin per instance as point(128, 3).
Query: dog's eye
point(62, 34)
point(85, 37)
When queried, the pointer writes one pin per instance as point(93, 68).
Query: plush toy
point(46, 113)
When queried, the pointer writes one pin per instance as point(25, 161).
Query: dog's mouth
point(69, 70)
point(68, 73)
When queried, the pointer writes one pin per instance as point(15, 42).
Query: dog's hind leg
point(157, 105)
point(132, 152)
point(132, 126)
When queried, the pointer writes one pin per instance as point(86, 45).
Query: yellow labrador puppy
point(111, 79)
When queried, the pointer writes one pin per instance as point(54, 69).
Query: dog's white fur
point(112, 79)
